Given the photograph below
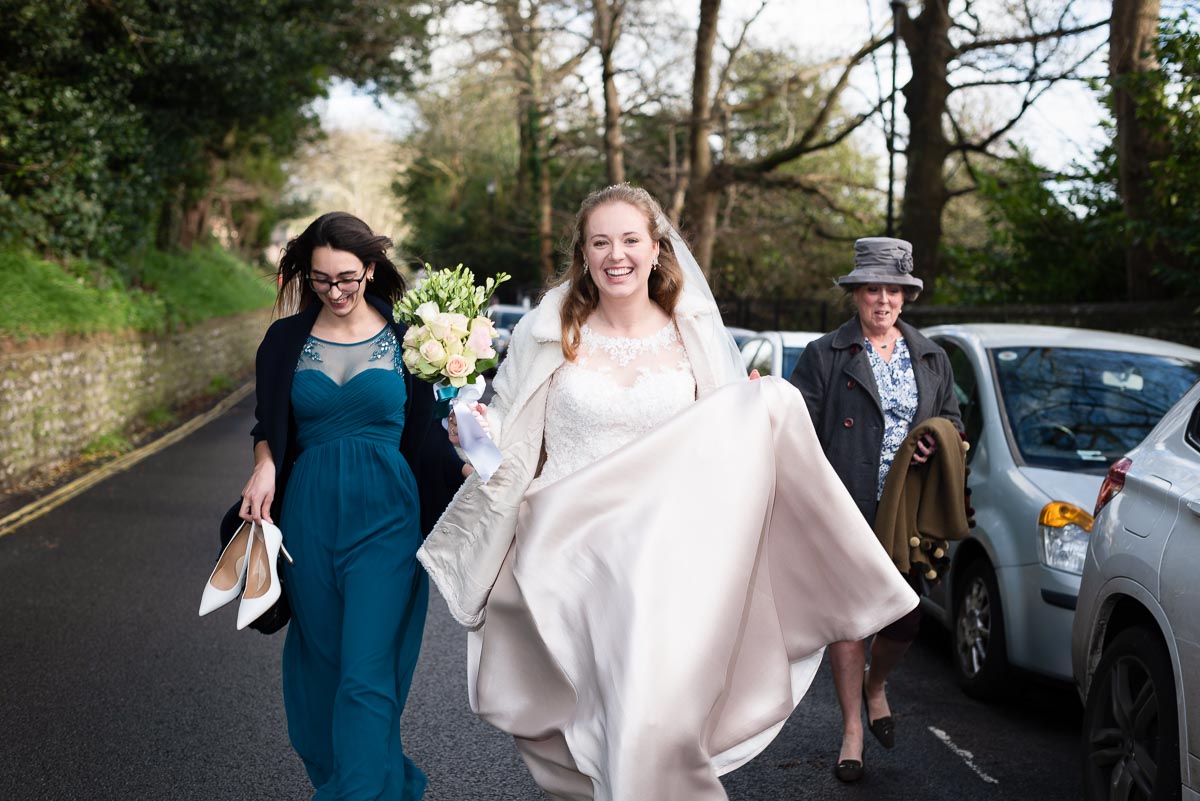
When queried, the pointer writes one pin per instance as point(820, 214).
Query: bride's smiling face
point(619, 251)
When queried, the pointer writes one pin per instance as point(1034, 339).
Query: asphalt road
point(113, 688)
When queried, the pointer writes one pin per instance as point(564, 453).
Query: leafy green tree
point(140, 120)
point(1049, 240)
point(1055, 238)
point(458, 190)
point(1166, 227)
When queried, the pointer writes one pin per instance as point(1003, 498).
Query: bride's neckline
point(592, 333)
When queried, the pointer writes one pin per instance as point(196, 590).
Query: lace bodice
point(615, 391)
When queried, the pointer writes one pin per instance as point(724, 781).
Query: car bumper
point(1039, 609)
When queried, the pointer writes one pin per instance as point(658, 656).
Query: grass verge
point(39, 298)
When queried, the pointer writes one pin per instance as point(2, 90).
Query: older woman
point(866, 384)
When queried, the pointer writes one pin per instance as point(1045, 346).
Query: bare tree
point(526, 37)
point(954, 53)
point(704, 181)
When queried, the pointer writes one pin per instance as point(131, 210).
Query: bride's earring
point(654, 263)
point(587, 271)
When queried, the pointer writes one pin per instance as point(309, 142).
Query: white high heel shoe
point(262, 578)
point(229, 574)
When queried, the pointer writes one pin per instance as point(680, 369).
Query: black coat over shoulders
point(435, 465)
point(834, 375)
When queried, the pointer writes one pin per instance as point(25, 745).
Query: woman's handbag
point(280, 612)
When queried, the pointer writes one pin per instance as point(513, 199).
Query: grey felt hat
point(881, 260)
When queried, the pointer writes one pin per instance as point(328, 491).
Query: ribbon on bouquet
point(481, 452)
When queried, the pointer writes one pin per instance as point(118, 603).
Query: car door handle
point(1194, 507)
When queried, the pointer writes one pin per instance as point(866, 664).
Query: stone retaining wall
point(59, 395)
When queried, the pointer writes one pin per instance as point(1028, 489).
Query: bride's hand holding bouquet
point(449, 344)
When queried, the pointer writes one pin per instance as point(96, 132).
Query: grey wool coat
point(834, 375)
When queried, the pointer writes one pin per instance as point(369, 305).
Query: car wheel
point(1130, 723)
point(980, 654)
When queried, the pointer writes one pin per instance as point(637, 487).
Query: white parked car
point(740, 335)
point(776, 352)
point(1046, 410)
point(1136, 639)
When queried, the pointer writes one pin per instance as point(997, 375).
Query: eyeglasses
point(347, 286)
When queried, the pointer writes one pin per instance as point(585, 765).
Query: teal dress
point(358, 595)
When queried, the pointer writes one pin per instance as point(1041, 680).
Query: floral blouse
point(897, 387)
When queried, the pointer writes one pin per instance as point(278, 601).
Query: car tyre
point(980, 651)
point(1130, 722)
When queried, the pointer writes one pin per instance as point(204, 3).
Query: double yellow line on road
point(58, 497)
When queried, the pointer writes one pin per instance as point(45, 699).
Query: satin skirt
point(662, 611)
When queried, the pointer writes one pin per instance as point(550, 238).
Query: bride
point(652, 574)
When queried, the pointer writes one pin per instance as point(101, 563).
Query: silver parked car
point(776, 352)
point(1046, 410)
point(1136, 640)
point(505, 317)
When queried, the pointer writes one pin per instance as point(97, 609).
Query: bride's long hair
point(665, 283)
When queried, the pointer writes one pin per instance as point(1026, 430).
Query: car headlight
point(1064, 530)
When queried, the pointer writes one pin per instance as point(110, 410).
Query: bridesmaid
point(340, 427)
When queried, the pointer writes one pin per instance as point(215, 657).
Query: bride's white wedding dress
point(677, 569)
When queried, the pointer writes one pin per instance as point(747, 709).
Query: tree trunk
point(1132, 49)
point(195, 221)
point(526, 62)
point(700, 210)
point(532, 197)
point(170, 220)
point(925, 195)
point(607, 31)
point(545, 224)
point(679, 169)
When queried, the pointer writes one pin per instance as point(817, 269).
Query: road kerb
point(41, 506)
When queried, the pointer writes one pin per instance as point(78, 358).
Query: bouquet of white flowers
point(449, 344)
point(449, 338)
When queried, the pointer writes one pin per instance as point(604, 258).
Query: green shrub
point(205, 282)
point(220, 384)
point(160, 417)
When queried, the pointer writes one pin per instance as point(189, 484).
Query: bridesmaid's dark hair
point(340, 231)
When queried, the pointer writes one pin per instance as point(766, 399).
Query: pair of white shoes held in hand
point(247, 567)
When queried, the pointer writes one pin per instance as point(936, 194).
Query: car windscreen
point(1077, 408)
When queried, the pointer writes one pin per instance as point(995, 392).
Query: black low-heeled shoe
point(884, 728)
point(848, 770)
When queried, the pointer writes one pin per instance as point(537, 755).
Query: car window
point(1193, 429)
point(506, 319)
point(966, 390)
point(764, 360)
point(790, 357)
point(1076, 408)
